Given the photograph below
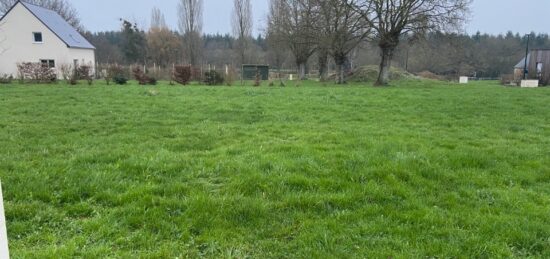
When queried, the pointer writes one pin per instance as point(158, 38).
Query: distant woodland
point(480, 55)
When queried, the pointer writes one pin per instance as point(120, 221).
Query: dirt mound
point(430, 75)
point(370, 74)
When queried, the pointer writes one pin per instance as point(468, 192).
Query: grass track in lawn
point(416, 170)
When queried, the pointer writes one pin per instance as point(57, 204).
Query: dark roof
point(61, 28)
point(521, 64)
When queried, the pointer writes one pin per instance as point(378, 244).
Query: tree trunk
point(385, 65)
point(341, 74)
point(340, 61)
point(302, 71)
point(323, 66)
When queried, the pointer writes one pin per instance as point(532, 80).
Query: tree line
point(317, 35)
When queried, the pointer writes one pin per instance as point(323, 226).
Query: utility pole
point(526, 55)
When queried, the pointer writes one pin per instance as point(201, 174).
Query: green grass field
point(420, 169)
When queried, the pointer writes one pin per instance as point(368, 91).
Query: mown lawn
point(420, 169)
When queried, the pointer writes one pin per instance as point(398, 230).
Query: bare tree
point(341, 30)
point(242, 26)
point(157, 19)
point(62, 7)
point(323, 61)
point(164, 46)
point(190, 25)
point(277, 47)
point(391, 19)
point(295, 23)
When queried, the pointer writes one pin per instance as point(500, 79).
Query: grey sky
point(491, 16)
point(101, 15)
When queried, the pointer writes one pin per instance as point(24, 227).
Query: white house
point(30, 33)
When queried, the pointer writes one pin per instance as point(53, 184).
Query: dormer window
point(37, 36)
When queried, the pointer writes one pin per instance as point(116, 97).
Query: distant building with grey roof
point(537, 66)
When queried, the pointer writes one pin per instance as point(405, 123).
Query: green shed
point(249, 72)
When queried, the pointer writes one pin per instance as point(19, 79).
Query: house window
point(50, 63)
point(37, 36)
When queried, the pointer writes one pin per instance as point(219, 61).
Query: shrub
point(66, 72)
point(73, 80)
point(120, 79)
point(544, 81)
point(213, 78)
point(142, 78)
point(507, 79)
point(6, 79)
point(182, 74)
point(112, 72)
point(258, 80)
point(85, 73)
point(36, 73)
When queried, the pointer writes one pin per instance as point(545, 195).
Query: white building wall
point(17, 43)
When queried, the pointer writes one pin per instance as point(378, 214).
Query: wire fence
point(165, 72)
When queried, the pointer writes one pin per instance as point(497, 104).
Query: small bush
point(213, 78)
point(146, 80)
point(142, 78)
point(112, 72)
point(507, 79)
point(6, 79)
point(182, 74)
point(120, 79)
point(73, 80)
point(85, 73)
point(258, 80)
point(36, 73)
point(66, 72)
point(544, 81)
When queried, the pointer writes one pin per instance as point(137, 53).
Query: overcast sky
point(491, 16)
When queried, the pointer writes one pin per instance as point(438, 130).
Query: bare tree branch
point(341, 30)
point(294, 23)
point(157, 19)
point(242, 26)
point(390, 19)
point(190, 14)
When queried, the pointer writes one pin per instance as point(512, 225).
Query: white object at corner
point(529, 83)
point(463, 79)
point(4, 251)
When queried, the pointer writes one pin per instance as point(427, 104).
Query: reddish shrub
point(182, 74)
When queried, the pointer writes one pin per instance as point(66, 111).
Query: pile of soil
point(370, 74)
